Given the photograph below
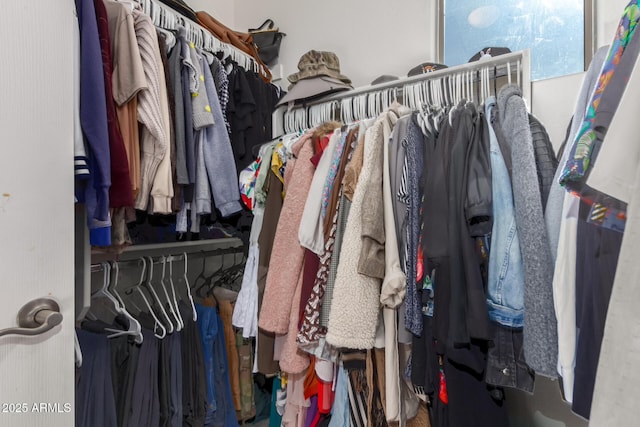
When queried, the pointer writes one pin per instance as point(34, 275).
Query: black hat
point(425, 67)
point(489, 52)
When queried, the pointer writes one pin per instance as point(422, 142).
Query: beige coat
point(356, 299)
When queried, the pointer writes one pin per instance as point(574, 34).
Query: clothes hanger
point(135, 329)
point(208, 282)
point(172, 309)
point(158, 324)
point(174, 293)
point(488, 84)
point(102, 291)
point(186, 281)
point(77, 350)
point(154, 294)
point(201, 276)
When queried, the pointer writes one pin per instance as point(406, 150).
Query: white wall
point(608, 13)
point(370, 37)
point(553, 104)
point(222, 10)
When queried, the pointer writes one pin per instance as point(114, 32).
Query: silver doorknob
point(36, 317)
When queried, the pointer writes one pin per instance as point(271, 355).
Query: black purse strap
point(268, 24)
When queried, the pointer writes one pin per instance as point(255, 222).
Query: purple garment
point(312, 411)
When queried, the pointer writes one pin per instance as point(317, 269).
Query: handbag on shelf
point(267, 38)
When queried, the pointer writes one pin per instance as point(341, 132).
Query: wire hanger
point(209, 280)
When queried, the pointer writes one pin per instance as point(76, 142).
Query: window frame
point(589, 31)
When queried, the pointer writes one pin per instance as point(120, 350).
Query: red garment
point(319, 145)
point(311, 380)
point(120, 193)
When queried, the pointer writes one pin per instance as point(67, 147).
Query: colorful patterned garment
point(580, 156)
point(247, 182)
point(333, 171)
point(278, 163)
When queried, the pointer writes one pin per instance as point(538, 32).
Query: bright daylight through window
point(552, 29)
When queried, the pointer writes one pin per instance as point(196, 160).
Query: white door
point(36, 208)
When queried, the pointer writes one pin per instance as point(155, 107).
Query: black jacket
point(546, 161)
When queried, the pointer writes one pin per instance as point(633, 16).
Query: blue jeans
point(208, 330)
point(220, 409)
point(505, 291)
point(340, 412)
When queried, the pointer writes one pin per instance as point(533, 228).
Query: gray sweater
point(175, 73)
point(540, 330)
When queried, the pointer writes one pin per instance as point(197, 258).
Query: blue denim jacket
point(505, 293)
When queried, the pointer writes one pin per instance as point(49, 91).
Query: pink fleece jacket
point(285, 266)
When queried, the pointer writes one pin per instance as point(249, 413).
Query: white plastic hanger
point(174, 293)
point(186, 282)
point(135, 328)
point(102, 291)
point(138, 288)
point(172, 309)
point(77, 350)
point(154, 294)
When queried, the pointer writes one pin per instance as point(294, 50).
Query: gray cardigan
point(540, 330)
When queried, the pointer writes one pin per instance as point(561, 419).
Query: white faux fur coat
point(355, 305)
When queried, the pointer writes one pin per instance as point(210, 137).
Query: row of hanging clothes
point(157, 346)
point(398, 265)
point(165, 117)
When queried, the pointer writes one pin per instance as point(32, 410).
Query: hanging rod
point(176, 249)
point(499, 66)
point(168, 19)
point(500, 62)
point(174, 257)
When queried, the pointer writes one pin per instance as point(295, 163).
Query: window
point(556, 31)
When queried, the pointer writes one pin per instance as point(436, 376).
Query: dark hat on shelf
point(385, 78)
point(425, 67)
point(489, 52)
